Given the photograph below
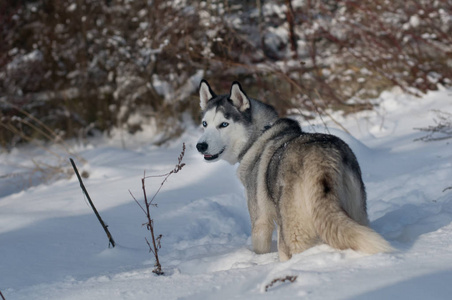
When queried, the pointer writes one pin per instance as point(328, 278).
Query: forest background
point(87, 67)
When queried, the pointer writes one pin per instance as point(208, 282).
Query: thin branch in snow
point(104, 226)
point(155, 244)
point(441, 131)
point(287, 278)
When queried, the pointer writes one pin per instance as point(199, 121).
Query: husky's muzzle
point(202, 148)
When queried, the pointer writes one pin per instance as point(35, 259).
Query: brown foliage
point(86, 66)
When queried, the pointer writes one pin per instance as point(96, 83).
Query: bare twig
point(155, 244)
point(41, 128)
point(441, 131)
point(288, 277)
point(28, 139)
point(290, 16)
point(150, 226)
point(137, 202)
point(1, 295)
point(105, 227)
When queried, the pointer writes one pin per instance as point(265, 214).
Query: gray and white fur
point(308, 184)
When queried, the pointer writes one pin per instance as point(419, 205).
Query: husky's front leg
point(261, 235)
point(262, 212)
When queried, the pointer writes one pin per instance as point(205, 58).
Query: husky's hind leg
point(294, 239)
point(283, 250)
point(295, 229)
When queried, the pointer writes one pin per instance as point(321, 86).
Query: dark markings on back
point(292, 129)
point(326, 185)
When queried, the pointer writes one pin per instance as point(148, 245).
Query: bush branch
point(441, 131)
point(155, 245)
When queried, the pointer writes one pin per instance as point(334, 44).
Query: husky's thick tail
point(338, 230)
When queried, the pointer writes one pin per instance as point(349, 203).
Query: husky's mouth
point(212, 157)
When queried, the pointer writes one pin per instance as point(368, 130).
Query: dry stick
point(150, 223)
point(288, 277)
point(2, 295)
point(448, 188)
point(150, 227)
point(105, 227)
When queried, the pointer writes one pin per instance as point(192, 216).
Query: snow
point(52, 247)
point(415, 21)
point(33, 56)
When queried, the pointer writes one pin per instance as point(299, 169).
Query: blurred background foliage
point(76, 68)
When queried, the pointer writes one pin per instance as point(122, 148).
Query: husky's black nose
point(202, 147)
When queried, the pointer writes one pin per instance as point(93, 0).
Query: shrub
point(90, 66)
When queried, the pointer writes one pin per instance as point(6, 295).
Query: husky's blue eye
point(224, 124)
point(204, 124)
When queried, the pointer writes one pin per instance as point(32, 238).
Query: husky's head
point(231, 122)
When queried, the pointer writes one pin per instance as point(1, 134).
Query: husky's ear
point(205, 94)
point(238, 97)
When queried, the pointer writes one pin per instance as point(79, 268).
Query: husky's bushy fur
point(310, 185)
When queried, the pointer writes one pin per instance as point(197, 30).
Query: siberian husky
point(309, 184)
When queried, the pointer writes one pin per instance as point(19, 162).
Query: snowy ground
point(52, 247)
